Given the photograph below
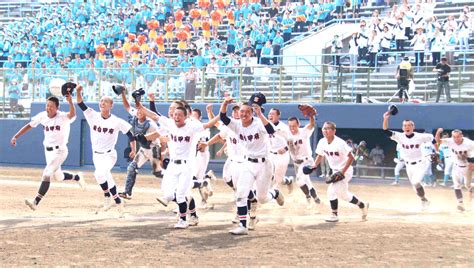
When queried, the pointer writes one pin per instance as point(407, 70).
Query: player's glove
point(166, 161)
point(141, 139)
point(308, 170)
point(307, 110)
point(338, 176)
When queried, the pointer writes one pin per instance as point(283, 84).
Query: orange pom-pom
point(118, 53)
point(179, 15)
point(182, 35)
point(135, 48)
point(152, 24)
point(216, 15)
point(206, 26)
point(141, 39)
point(230, 15)
point(131, 36)
point(194, 13)
point(100, 49)
point(169, 27)
point(160, 40)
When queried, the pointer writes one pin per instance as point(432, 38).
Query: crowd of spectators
point(146, 41)
point(413, 25)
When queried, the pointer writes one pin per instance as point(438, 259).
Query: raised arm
point(148, 113)
point(386, 116)
point(126, 104)
point(223, 111)
point(312, 122)
point(438, 136)
point(72, 108)
point(79, 99)
point(265, 122)
point(211, 122)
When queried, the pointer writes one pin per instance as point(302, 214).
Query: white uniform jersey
point(56, 129)
point(410, 150)
point(234, 150)
point(104, 132)
point(335, 152)
point(300, 147)
point(279, 139)
point(253, 138)
point(181, 145)
point(460, 152)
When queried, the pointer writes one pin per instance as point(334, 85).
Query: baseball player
point(429, 154)
point(56, 126)
point(301, 154)
point(411, 152)
point(398, 167)
point(142, 128)
point(178, 175)
point(445, 156)
point(104, 130)
point(340, 158)
point(202, 181)
point(462, 150)
point(278, 146)
point(253, 135)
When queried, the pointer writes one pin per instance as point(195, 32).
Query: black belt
point(300, 161)
point(286, 149)
point(413, 163)
point(461, 166)
point(256, 160)
point(49, 149)
point(179, 162)
point(103, 152)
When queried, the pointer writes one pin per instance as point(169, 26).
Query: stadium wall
point(29, 150)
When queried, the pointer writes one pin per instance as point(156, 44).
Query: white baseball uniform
point(202, 158)
point(411, 153)
point(56, 135)
point(337, 153)
point(233, 163)
point(177, 178)
point(460, 153)
point(279, 140)
point(301, 154)
point(256, 167)
point(428, 149)
point(104, 135)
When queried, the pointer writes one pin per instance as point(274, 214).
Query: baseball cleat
point(332, 218)
point(240, 230)
point(461, 208)
point(31, 204)
point(124, 195)
point(253, 222)
point(425, 205)
point(120, 209)
point(365, 211)
point(82, 182)
point(193, 221)
point(317, 200)
point(442, 184)
point(161, 201)
point(211, 174)
point(182, 224)
point(279, 198)
point(107, 204)
point(395, 183)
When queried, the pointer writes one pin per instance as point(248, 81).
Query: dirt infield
point(66, 231)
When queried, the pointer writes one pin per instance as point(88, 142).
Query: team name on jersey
point(410, 146)
point(52, 128)
point(249, 137)
point(180, 138)
point(459, 153)
point(331, 153)
point(296, 142)
point(233, 140)
point(103, 129)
